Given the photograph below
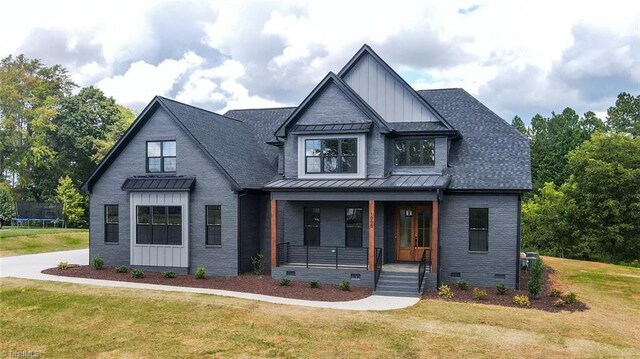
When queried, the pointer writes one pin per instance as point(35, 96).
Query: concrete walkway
point(30, 266)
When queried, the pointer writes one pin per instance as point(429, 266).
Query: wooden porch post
point(434, 235)
point(372, 234)
point(274, 233)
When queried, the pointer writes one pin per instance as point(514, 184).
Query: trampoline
point(38, 214)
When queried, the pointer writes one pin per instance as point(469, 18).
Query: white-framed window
point(332, 156)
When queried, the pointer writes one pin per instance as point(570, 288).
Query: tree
point(536, 280)
point(605, 187)
point(519, 125)
point(73, 203)
point(7, 202)
point(624, 117)
point(30, 94)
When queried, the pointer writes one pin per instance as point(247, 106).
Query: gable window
point(479, 229)
point(111, 223)
point(159, 225)
point(331, 155)
point(353, 227)
point(312, 226)
point(161, 156)
point(415, 152)
point(214, 225)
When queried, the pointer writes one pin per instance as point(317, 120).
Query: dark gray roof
point(230, 142)
point(434, 126)
point(159, 183)
point(491, 155)
point(392, 183)
point(332, 128)
point(264, 123)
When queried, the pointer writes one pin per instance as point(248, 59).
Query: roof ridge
point(198, 108)
point(262, 108)
point(442, 89)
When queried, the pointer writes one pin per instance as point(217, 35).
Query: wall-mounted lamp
point(408, 212)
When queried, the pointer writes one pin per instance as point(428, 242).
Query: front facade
point(366, 176)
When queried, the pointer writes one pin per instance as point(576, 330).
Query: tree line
point(52, 135)
point(585, 202)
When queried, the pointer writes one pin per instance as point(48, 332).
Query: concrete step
point(393, 293)
point(406, 283)
point(409, 286)
point(398, 276)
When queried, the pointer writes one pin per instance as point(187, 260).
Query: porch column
point(274, 233)
point(372, 234)
point(434, 235)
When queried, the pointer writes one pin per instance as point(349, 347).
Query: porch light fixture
point(408, 212)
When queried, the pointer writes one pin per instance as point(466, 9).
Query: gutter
point(241, 194)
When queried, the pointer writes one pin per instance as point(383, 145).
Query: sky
point(518, 58)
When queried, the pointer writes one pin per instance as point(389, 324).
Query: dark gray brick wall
point(211, 188)
point(332, 106)
point(478, 268)
point(325, 275)
point(249, 229)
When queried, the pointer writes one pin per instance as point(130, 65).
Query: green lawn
point(68, 320)
point(16, 241)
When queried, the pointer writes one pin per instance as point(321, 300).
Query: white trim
point(155, 254)
point(362, 157)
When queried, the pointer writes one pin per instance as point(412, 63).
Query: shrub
point(168, 274)
point(258, 264)
point(536, 281)
point(521, 300)
point(570, 298)
point(501, 289)
point(314, 284)
point(135, 273)
point(479, 294)
point(559, 303)
point(97, 262)
point(122, 269)
point(200, 273)
point(445, 292)
point(555, 293)
point(462, 284)
point(285, 282)
point(345, 285)
point(63, 265)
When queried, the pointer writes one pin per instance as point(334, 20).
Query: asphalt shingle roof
point(491, 155)
point(229, 141)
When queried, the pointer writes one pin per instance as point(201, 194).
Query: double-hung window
point(353, 227)
point(111, 223)
point(159, 225)
point(161, 156)
point(312, 226)
point(214, 225)
point(415, 153)
point(479, 229)
point(331, 155)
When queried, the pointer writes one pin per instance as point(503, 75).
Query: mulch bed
point(248, 283)
point(544, 302)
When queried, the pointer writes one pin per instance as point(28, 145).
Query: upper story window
point(415, 152)
point(331, 155)
point(161, 156)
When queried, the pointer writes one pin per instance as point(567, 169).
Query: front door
point(413, 230)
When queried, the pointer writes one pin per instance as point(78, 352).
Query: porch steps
point(398, 283)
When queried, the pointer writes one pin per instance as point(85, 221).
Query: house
point(366, 180)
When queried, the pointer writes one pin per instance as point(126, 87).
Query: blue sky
point(517, 57)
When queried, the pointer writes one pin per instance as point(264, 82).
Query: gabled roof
point(331, 78)
point(491, 154)
point(229, 143)
point(367, 50)
point(264, 122)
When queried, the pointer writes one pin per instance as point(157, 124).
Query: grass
point(64, 320)
point(17, 241)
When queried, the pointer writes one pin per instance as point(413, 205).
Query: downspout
point(518, 239)
point(241, 194)
point(438, 194)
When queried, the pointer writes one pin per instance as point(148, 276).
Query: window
point(353, 227)
point(214, 225)
point(312, 226)
point(338, 155)
point(415, 152)
point(161, 156)
point(159, 225)
point(111, 223)
point(479, 229)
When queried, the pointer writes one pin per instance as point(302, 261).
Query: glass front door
point(413, 232)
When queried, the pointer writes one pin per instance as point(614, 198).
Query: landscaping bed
point(544, 302)
point(248, 283)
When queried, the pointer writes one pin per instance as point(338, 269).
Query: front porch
point(397, 236)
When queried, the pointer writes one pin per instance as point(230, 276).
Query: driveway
point(30, 266)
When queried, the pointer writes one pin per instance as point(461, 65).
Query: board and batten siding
point(382, 91)
point(155, 254)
